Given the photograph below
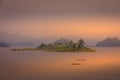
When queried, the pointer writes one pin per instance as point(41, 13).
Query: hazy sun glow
point(60, 27)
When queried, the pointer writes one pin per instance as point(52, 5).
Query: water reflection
point(36, 65)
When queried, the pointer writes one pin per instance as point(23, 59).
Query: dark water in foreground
point(36, 65)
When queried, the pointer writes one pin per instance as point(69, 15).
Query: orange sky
point(95, 27)
point(94, 19)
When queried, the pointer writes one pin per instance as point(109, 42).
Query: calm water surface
point(37, 65)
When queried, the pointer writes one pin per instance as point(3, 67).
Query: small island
point(62, 45)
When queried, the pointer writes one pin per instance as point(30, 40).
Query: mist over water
point(38, 65)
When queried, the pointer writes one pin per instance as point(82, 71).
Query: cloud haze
point(59, 7)
point(94, 19)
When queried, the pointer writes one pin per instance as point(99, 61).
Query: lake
point(104, 64)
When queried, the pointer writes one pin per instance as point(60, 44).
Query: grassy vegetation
point(68, 50)
point(24, 49)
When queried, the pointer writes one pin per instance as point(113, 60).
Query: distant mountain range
point(4, 44)
point(109, 42)
point(16, 39)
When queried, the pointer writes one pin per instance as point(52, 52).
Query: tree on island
point(81, 44)
point(42, 45)
point(71, 43)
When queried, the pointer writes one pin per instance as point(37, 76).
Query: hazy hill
point(16, 39)
point(61, 41)
point(109, 42)
point(4, 44)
